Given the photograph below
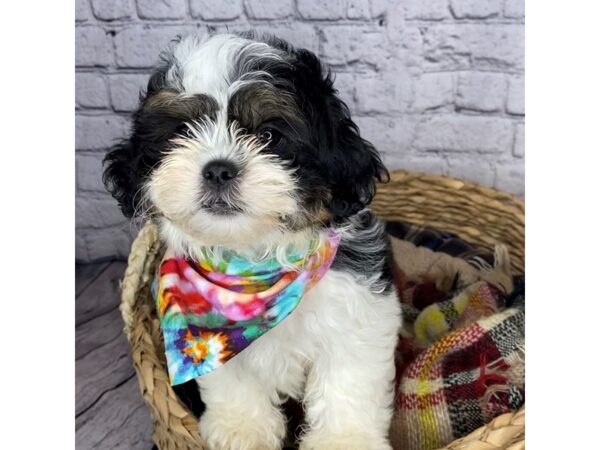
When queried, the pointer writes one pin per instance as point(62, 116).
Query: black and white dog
point(240, 142)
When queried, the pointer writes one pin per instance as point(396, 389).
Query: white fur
point(266, 193)
point(207, 64)
point(335, 352)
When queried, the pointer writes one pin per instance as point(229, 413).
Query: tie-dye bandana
point(211, 312)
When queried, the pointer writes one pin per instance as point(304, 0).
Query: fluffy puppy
point(241, 142)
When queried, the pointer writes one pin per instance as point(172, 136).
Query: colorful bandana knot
point(209, 314)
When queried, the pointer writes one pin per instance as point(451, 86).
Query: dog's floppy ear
point(357, 165)
point(127, 163)
point(353, 164)
point(121, 175)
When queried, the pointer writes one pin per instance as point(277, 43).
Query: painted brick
point(112, 9)
point(125, 90)
point(162, 9)
point(454, 133)
point(515, 103)
point(358, 9)
point(472, 169)
point(97, 212)
point(303, 35)
point(476, 9)
point(91, 91)
point(216, 10)
point(345, 84)
point(384, 93)
point(381, 8)
point(433, 91)
point(511, 177)
point(347, 44)
point(432, 164)
point(82, 10)
point(406, 47)
point(138, 47)
point(99, 132)
point(519, 148)
point(514, 9)
point(269, 9)
point(89, 172)
point(493, 46)
point(481, 91)
point(325, 9)
point(93, 47)
point(427, 9)
point(392, 136)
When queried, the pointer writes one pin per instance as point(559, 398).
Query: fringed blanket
point(461, 357)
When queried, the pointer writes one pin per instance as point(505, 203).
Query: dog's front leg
point(349, 390)
point(241, 411)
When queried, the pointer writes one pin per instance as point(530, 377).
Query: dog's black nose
point(219, 172)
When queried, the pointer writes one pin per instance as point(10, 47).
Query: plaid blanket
point(461, 358)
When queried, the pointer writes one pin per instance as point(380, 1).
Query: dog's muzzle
point(219, 177)
point(219, 174)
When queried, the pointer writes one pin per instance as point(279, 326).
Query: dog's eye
point(269, 135)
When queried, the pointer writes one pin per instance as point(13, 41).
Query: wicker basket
point(480, 215)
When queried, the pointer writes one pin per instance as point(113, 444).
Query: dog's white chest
point(335, 352)
point(338, 316)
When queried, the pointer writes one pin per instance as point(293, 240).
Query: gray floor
point(109, 410)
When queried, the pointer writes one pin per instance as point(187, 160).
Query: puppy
point(241, 143)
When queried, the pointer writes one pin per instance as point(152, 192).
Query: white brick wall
point(436, 85)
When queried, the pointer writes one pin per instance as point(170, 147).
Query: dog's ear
point(352, 163)
point(128, 163)
point(122, 176)
point(357, 165)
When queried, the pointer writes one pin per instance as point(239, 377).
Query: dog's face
point(238, 141)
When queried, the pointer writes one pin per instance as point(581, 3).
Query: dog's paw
point(343, 441)
point(232, 432)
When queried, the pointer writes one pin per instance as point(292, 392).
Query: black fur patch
point(161, 116)
point(189, 394)
point(336, 168)
point(365, 250)
point(349, 166)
